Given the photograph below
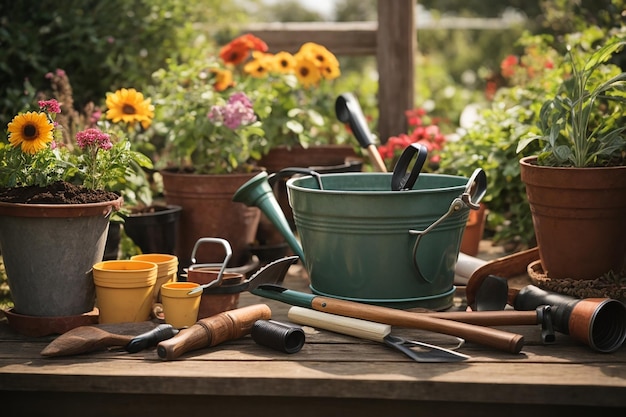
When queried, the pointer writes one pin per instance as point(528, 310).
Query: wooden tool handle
point(376, 159)
point(498, 339)
point(340, 324)
point(490, 318)
point(214, 330)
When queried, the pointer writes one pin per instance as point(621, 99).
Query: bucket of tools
point(380, 238)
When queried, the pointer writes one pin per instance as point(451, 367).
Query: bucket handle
point(474, 192)
point(288, 172)
point(229, 252)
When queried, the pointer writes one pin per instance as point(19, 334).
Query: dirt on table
point(57, 193)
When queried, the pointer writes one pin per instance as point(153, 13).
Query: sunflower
point(129, 106)
point(32, 130)
point(284, 62)
point(307, 71)
point(325, 60)
point(260, 65)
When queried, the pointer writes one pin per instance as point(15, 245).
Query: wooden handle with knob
point(495, 338)
point(211, 331)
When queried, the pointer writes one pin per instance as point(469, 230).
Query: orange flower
point(507, 66)
point(223, 79)
point(237, 51)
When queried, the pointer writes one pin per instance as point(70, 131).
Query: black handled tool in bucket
point(348, 110)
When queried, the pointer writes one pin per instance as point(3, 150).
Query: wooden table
point(332, 375)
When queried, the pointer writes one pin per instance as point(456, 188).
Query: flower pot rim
point(532, 161)
point(140, 265)
point(187, 173)
point(161, 210)
point(60, 210)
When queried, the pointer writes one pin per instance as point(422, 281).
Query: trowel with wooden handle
point(376, 332)
point(85, 339)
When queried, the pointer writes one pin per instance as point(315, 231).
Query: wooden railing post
point(395, 54)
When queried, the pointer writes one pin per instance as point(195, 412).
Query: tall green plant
point(583, 125)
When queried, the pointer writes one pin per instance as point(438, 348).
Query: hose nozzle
point(598, 322)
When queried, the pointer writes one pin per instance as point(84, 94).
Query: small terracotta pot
point(474, 230)
point(212, 304)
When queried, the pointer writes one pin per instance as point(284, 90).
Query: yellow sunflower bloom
point(32, 131)
point(284, 62)
point(330, 72)
point(322, 56)
point(260, 65)
point(307, 71)
point(129, 106)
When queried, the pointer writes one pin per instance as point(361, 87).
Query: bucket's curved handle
point(474, 191)
point(402, 178)
point(288, 172)
point(229, 253)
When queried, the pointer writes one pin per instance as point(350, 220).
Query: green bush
point(101, 44)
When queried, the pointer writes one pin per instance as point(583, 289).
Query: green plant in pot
point(217, 116)
point(55, 206)
point(576, 186)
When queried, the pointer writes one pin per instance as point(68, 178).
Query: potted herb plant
point(576, 186)
point(55, 206)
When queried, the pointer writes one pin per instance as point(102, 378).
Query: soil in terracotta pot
point(56, 193)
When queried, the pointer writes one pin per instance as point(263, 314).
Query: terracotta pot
point(579, 216)
point(474, 231)
point(208, 211)
point(324, 159)
point(212, 304)
point(282, 156)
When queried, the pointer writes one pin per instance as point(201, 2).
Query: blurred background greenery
point(108, 44)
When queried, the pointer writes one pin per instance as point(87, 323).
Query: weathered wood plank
point(395, 58)
point(347, 39)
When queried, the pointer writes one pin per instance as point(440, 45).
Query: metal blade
point(271, 273)
point(431, 353)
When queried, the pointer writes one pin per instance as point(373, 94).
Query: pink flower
point(93, 138)
point(236, 112)
point(51, 106)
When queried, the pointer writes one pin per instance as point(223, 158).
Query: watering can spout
point(257, 192)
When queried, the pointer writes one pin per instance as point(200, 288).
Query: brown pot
point(208, 211)
point(323, 159)
point(579, 216)
point(212, 304)
point(474, 231)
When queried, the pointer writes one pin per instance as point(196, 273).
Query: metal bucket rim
point(292, 185)
point(390, 301)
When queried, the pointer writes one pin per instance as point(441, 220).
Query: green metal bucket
point(363, 242)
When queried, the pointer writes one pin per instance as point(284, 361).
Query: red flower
point(238, 50)
point(507, 67)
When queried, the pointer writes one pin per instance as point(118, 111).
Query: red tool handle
point(214, 330)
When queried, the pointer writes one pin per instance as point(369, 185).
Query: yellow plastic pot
point(167, 269)
point(180, 308)
point(124, 290)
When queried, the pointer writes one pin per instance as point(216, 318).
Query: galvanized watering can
point(389, 239)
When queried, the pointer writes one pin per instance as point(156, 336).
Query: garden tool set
point(363, 280)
